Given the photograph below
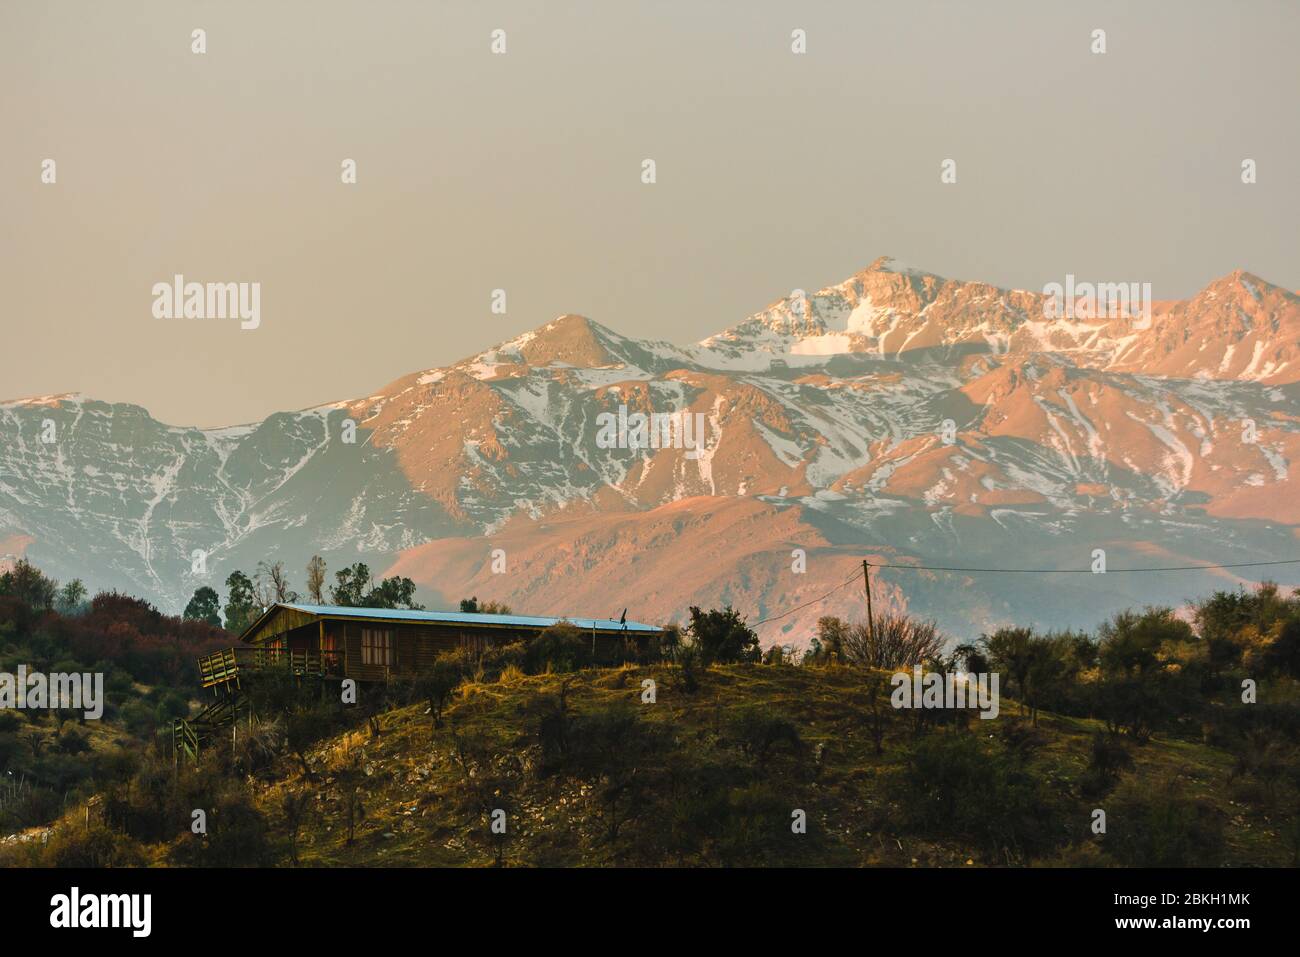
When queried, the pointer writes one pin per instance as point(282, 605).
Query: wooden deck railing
point(227, 666)
point(184, 740)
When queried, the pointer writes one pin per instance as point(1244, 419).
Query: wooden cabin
point(380, 644)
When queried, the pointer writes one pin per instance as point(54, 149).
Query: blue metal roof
point(472, 618)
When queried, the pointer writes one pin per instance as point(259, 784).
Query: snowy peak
point(1250, 296)
point(886, 309)
point(947, 418)
point(1238, 327)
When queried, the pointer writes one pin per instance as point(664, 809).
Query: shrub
point(1141, 704)
point(759, 733)
point(616, 751)
point(1131, 643)
point(754, 828)
point(94, 846)
point(723, 636)
point(436, 686)
point(72, 741)
point(894, 642)
point(559, 648)
point(258, 746)
point(31, 807)
point(957, 788)
point(237, 836)
point(1162, 827)
point(1106, 761)
point(686, 675)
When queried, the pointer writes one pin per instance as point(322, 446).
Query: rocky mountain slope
point(897, 416)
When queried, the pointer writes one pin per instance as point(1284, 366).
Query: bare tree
point(271, 584)
point(295, 807)
point(896, 641)
point(316, 580)
point(876, 688)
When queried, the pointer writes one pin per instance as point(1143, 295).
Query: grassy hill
point(1150, 743)
point(712, 775)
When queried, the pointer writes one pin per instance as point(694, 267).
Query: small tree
point(486, 792)
point(723, 636)
point(560, 647)
point(876, 688)
point(272, 584)
point(617, 752)
point(351, 585)
point(302, 730)
point(892, 642)
point(72, 599)
point(395, 592)
point(204, 606)
point(316, 580)
point(437, 685)
point(356, 588)
point(831, 634)
point(759, 733)
point(29, 585)
point(1107, 760)
point(472, 606)
point(241, 606)
point(1009, 651)
point(295, 807)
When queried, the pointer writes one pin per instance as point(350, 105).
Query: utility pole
point(866, 583)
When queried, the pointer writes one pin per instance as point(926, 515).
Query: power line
point(1088, 571)
point(1027, 571)
point(851, 578)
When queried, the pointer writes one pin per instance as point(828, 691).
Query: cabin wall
point(382, 651)
point(385, 650)
point(304, 638)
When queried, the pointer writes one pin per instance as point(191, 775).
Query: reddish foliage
point(129, 632)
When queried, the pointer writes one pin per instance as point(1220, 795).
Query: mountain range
point(897, 417)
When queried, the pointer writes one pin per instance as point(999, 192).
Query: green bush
point(956, 787)
point(95, 846)
point(723, 636)
point(1106, 761)
point(560, 648)
point(760, 733)
point(237, 836)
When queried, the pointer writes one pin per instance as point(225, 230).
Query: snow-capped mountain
point(897, 416)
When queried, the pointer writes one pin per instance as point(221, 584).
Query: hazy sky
point(522, 171)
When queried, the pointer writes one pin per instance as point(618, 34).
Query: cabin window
point(376, 646)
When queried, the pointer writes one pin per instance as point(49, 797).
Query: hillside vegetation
point(588, 774)
point(701, 750)
point(714, 776)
